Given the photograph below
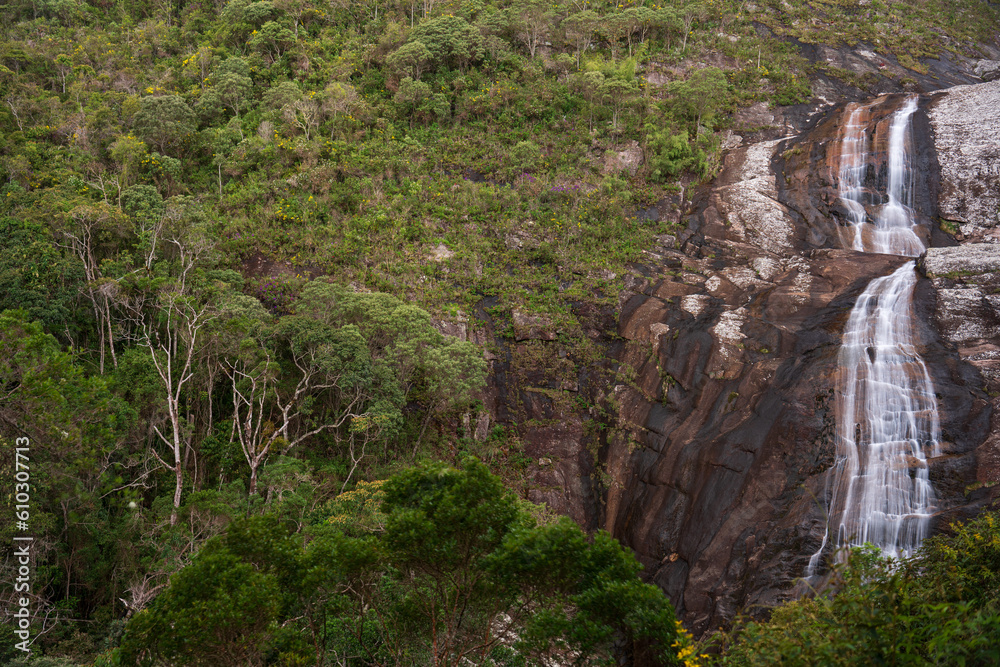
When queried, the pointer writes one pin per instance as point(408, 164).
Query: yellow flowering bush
point(687, 649)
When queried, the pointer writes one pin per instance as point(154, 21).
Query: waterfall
point(853, 164)
point(887, 420)
point(895, 230)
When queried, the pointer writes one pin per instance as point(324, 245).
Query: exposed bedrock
point(807, 167)
point(966, 312)
point(720, 476)
point(966, 127)
point(535, 409)
point(987, 70)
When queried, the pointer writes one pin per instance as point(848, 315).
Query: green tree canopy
point(701, 95)
point(452, 42)
point(230, 89)
point(218, 611)
point(411, 59)
point(166, 122)
point(459, 574)
point(37, 277)
point(939, 607)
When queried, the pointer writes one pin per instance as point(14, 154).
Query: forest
point(242, 248)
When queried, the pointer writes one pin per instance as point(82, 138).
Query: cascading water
point(853, 164)
point(887, 420)
point(894, 233)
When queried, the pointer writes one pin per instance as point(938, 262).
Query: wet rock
point(732, 418)
point(730, 333)
point(808, 174)
point(560, 476)
point(719, 484)
point(538, 399)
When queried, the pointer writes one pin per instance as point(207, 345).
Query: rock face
point(718, 477)
point(537, 385)
point(971, 259)
point(720, 382)
point(987, 70)
point(625, 158)
point(807, 169)
point(967, 138)
point(731, 424)
point(966, 282)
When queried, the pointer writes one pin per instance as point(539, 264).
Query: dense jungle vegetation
point(231, 235)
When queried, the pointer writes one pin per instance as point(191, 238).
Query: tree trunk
point(178, 488)
point(111, 340)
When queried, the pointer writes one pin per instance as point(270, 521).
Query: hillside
point(258, 257)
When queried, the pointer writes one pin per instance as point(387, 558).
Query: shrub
point(939, 607)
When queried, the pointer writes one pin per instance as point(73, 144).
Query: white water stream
point(853, 164)
point(887, 419)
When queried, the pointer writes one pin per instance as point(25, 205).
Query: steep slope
point(734, 337)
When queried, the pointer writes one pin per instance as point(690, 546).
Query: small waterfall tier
point(876, 179)
point(887, 419)
point(887, 422)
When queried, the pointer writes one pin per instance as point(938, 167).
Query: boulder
point(532, 327)
point(987, 70)
point(623, 158)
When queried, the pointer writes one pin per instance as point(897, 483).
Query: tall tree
point(689, 14)
point(701, 95)
point(411, 59)
point(168, 317)
point(531, 22)
point(453, 43)
point(458, 573)
point(230, 89)
point(619, 94)
point(580, 28)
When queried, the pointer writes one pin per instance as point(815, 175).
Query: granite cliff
point(715, 400)
point(733, 336)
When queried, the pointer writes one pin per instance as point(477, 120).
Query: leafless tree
point(264, 414)
point(171, 326)
point(305, 114)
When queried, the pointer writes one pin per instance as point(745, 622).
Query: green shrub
point(671, 154)
point(939, 607)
